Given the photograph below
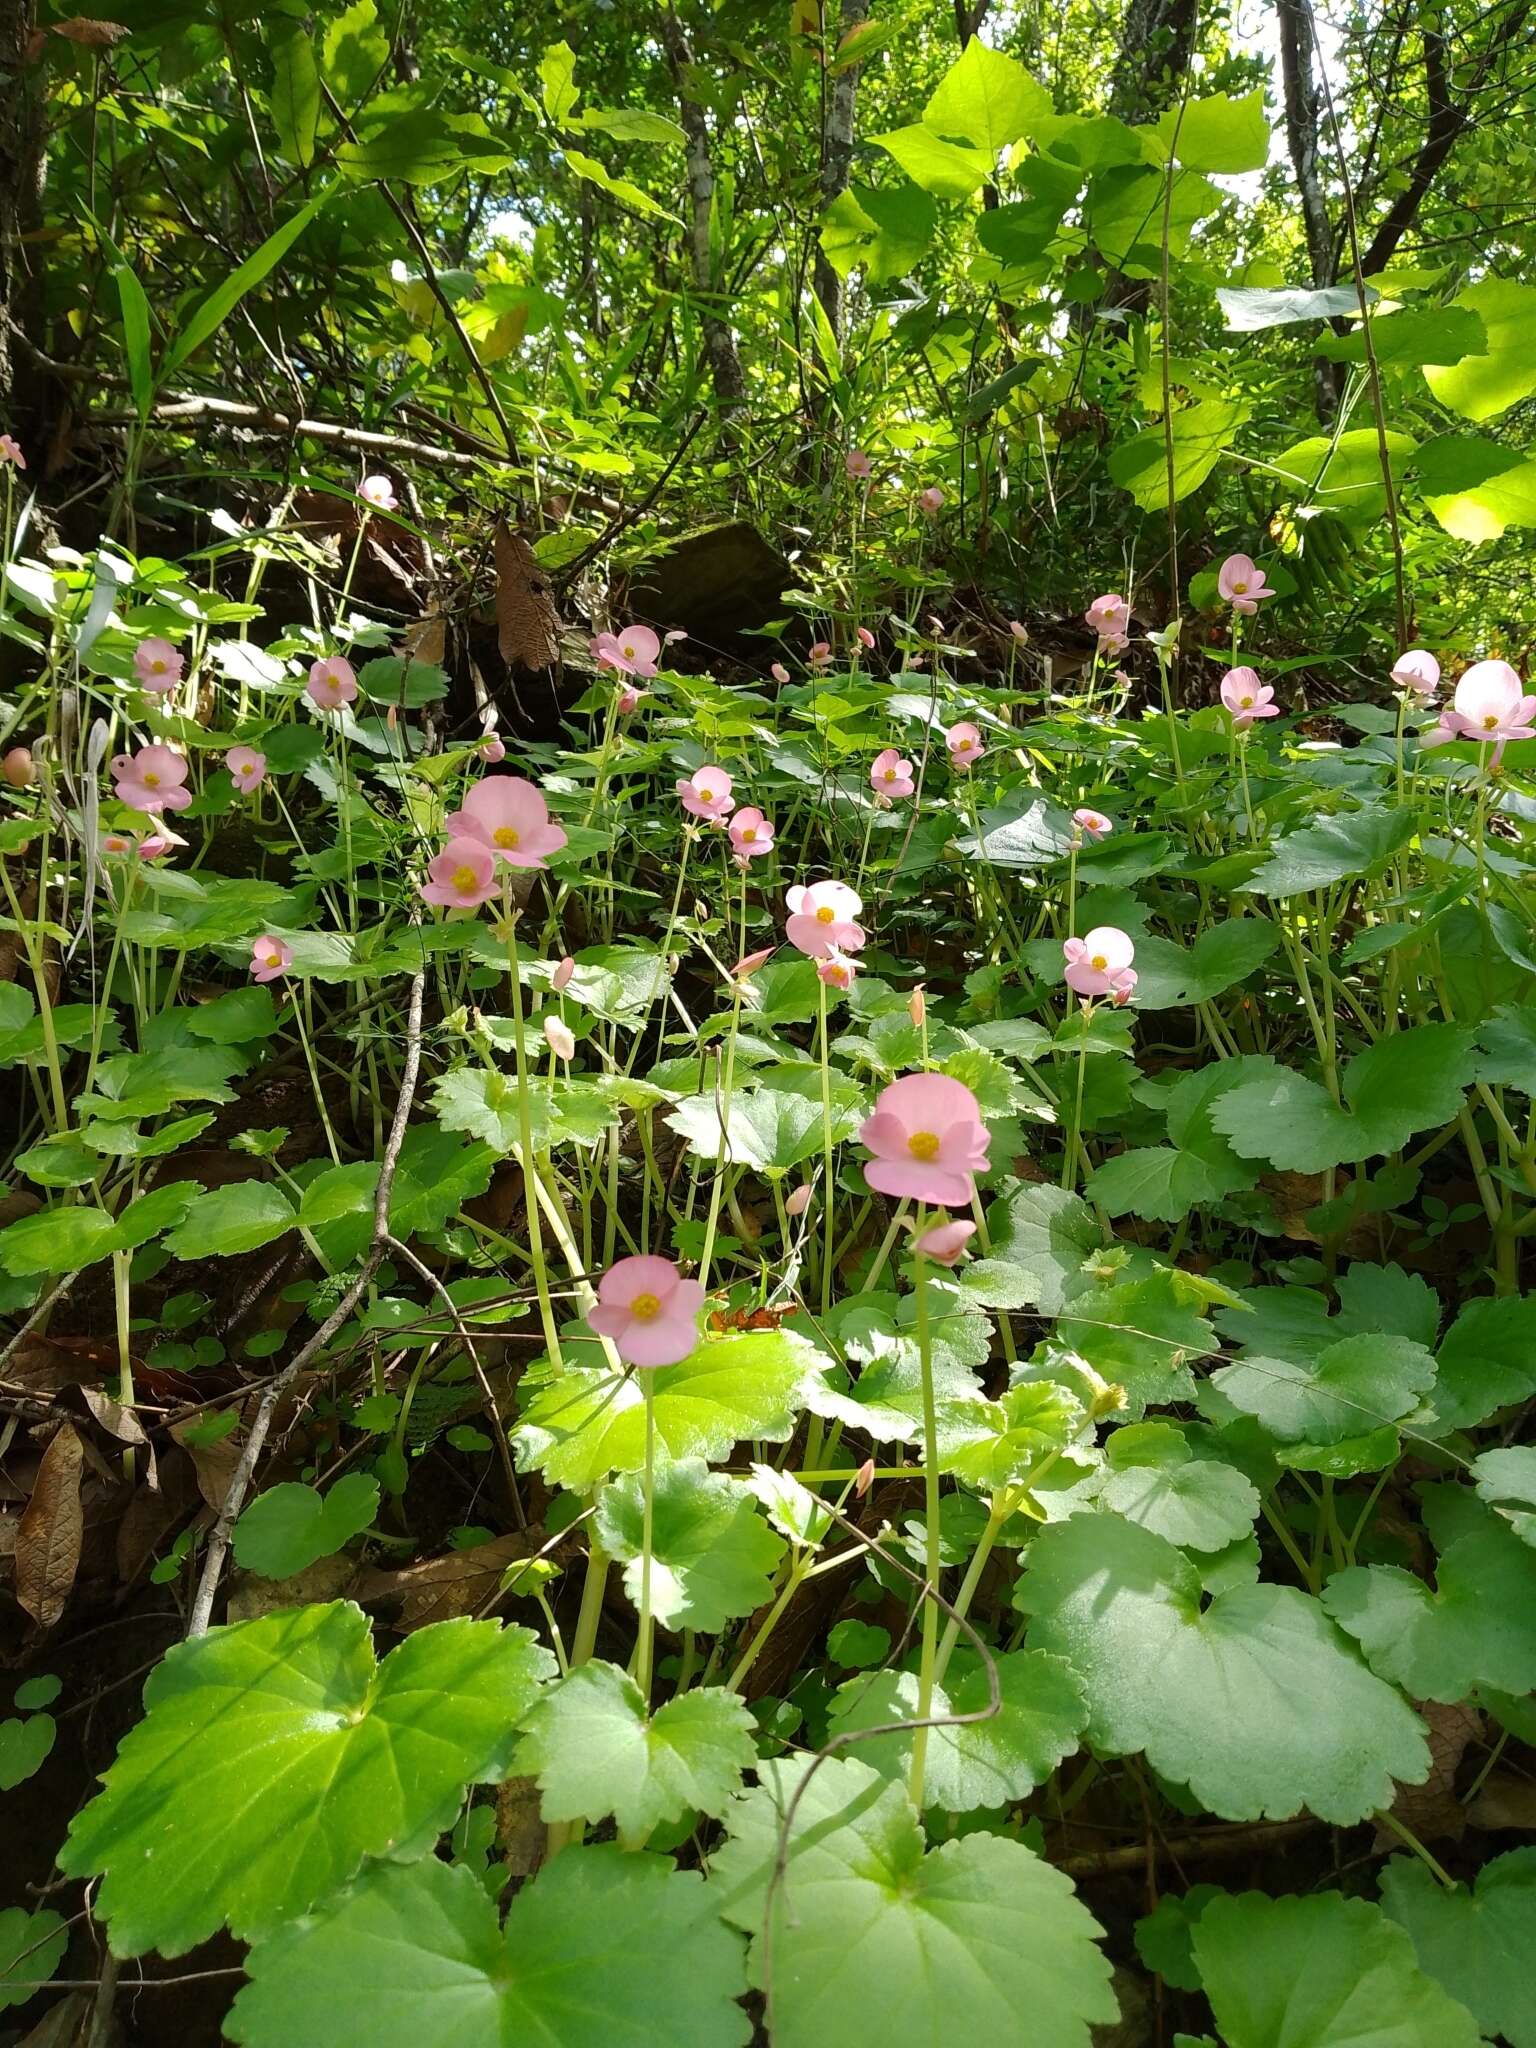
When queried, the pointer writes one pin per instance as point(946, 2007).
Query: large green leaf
point(1487, 1359)
point(946, 169)
point(596, 1752)
point(290, 1526)
point(712, 1554)
point(1156, 1480)
point(1506, 1480)
point(1164, 1182)
point(1348, 1389)
point(1255, 1701)
point(1343, 474)
point(274, 1756)
point(1475, 487)
point(986, 1763)
point(1317, 856)
point(771, 1129)
point(1320, 1972)
point(1050, 1234)
point(601, 1950)
point(871, 1940)
point(588, 1421)
point(1169, 977)
point(1478, 1944)
point(986, 99)
point(878, 1332)
point(32, 1947)
point(209, 315)
point(1218, 133)
point(1481, 386)
point(887, 229)
point(1201, 434)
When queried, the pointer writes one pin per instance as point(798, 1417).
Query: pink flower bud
point(944, 1242)
point(561, 978)
point(864, 1478)
point(492, 749)
point(746, 967)
point(796, 1203)
point(779, 672)
point(19, 768)
point(917, 1006)
point(865, 637)
point(557, 1036)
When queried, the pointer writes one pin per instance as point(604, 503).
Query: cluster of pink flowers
point(1241, 584)
point(1110, 618)
point(1100, 964)
point(1489, 704)
point(1246, 698)
point(152, 780)
point(504, 822)
point(823, 924)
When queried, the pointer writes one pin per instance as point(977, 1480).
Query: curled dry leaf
point(445, 1588)
point(1432, 1810)
point(91, 35)
point(49, 1536)
point(527, 624)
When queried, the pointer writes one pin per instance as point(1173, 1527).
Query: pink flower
point(332, 683)
point(706, 794)
point(751, 835)
point(1489, 704)
point(1110, 618)
point(778, 671)
point(462, 876)
point(1096, 964)
point(1092, 824)
point(18, 768)
point(749, 963)
point(1241, 584)
point(945, 1241)
point(557, 1036)
point(508, 815)
point(159, 842)
point(627, 700)
point(378, 492)
point(115, 844)
point(492, 749)
point(820, 656)
point(1418, 671)
point(1019, 631)
point(931, 500)
point(158, 666)
point(1441, 735)
point(837, 970)
point(858, 464)
point(152, 780)
point(247, 768)
point(964, 744)
point(890, 775)
point(798, 1200)
point(269, 956)
point(1247, 698)
point(629, 652)
point(10, 452)
point(864, 636)
point(648, 1311)
point(822, 920)
point(561, 978)
point(928, 1140)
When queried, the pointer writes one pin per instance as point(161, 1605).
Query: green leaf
point(856, 1645)
point(1484, 385)
point(242, 1016)
point(1343, 474)
point(1248, 310)
point(557, 76)
point(766, 1128)
point(1124, 215)
point(295, 90)
point(1357, 844)
point(1349, 1388)
point(1050, 1234)
point(1506, 1480)
point(32, 1947)
point(633, 124)
point(1156, 1481)
point(291, 1526)
point(993, 1445)
point(987, 1763)
point(1223, 954)
point(1218, 133)
point(1477, 1625)
point(887, 229)
point(1405, 1082)
point(792, 1508)
point(879, 1333)
point(1211, 1693)
point(211, 313)
point(602, 1947)
point(1487, 1360)
point(1320, 1972)
point(1414, 335)
point(1475, 488)
point(1476, 1944)
point(942, 168)
point(712, 1555)
point(237, 1217)
point(594, 173)
point(1141, 1334)
point(1009, 838)
point(986, 99)
point(1164, 1937)
point(26, 1743)
point(1201, 434)
point(355, 51)
point(136, 336)
point(871, 1939)
point(595, 1752)
point(590, 1421)
point(274, 1756)
point(57, 1240)
point(1165, 1182)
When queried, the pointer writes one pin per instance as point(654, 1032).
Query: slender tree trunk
point(719, 341)
point(1157, 40)
point(21, 179)
point(837, 160)
point(1304, 136)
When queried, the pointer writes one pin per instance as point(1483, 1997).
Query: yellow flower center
point(507, 836)
point(1239, 589)
point(1490, 723)
point(890, 774)
point(1098, 963)
point(465, 880)
point(750, 833)
point(627, 649)
point(273, 960)
point(826, 914)
point(151, 778)
point(923, 1145)
point(706, 796)
point(1245, 702)
point(158, 666)
point(645, 1308)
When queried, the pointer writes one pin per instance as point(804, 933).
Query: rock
point(716, 583)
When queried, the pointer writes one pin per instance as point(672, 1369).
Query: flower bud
point(748, 965)
point(864, 1478)
point(557, 1036)
point(917, 1006)
point(561, 978)
point(492, 749)
point(796, 1203)
point(19, 768)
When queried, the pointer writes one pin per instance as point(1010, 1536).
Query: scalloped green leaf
point(713, 1555)
point(1477, 1944)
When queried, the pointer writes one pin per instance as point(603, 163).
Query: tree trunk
point(719, 341)
point(21, 181)
point(836, 161)
point(1303, 132)
point(1157, 40)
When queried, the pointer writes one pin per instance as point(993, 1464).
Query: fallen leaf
point(427, 640)
point(1504, 1802)
point(91, 35)
point(215, 1464)
point(443, 1588)
point(1432, 1810)
point(520, 1830)
point(328, 1578)
point(527, 624)
point(48, 1540)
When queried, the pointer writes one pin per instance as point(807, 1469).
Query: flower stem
point(826, 1150)
point(526, 1156)
point(643, 1648)
point(927, 1662)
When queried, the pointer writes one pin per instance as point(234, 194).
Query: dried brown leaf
point(443, 1588)
point(91, 35)
point(527, 624)
point(46, 1365)
point(520, 1830)
point(1431, 1810)
point(329, 1578)
point(48, 1540)
point(1506, 1801)
point(427, 640)
point(150, 1517)
point(214, 1463)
